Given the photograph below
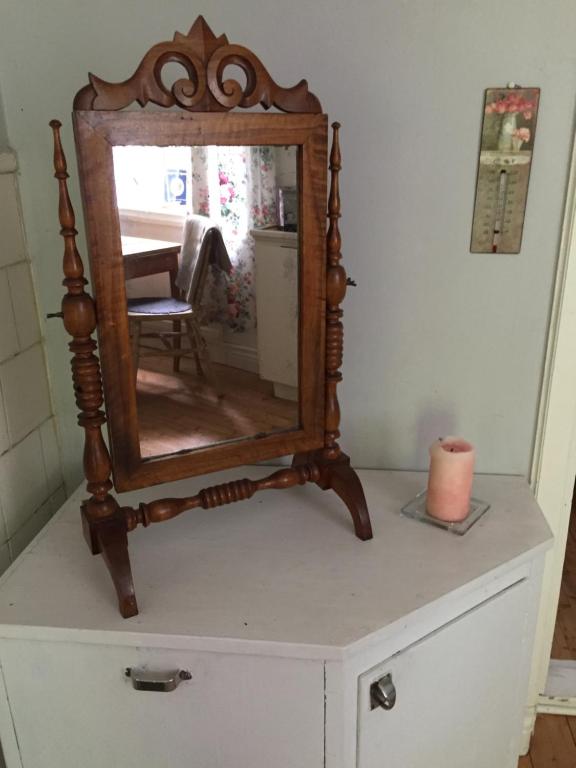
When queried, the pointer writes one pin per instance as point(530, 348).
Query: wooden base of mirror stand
point(339, 476)
point(108, 536)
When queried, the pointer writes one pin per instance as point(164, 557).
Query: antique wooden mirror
point(217, 290)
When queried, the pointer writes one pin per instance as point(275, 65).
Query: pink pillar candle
point(450, 479)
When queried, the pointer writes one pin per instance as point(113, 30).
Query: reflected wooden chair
point(183, 318)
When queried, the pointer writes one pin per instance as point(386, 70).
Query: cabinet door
point(458, 694)
point(73, 707)
point(277, 314)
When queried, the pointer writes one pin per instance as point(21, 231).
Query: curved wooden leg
point(340, 477)
point(110, 539)
point(345, 482)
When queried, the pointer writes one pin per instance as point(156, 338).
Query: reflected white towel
point(195, 230)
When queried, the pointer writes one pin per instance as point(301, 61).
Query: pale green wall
point(437, 340)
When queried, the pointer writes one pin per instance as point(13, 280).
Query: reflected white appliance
point(276, 257)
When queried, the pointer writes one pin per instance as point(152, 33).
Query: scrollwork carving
point(204, 57)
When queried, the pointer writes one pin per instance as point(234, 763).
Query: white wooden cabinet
point(284, 621)
point(462, 676)
point(276, 280)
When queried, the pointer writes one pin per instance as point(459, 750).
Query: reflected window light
point(153, 179)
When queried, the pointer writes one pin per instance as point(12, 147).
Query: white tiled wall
point(31, 486)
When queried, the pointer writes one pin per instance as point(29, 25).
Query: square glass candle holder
point(416, 509)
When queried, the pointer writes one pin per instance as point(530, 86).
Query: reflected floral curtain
point(235, 186)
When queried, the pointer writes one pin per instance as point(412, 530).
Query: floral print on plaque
point(508, 130)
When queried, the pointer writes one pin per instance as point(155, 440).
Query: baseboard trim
point(222, 350)
point(227, 352)
point(527, 729)
point(559, 697)
point(555, 705)
point(8, 162)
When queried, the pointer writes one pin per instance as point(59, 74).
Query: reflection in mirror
point(210, 246)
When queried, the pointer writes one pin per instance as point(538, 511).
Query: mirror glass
point(210, 248)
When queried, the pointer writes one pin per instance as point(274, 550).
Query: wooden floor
point(553, 744)
point(564, 644)
point(554, 740)
point(180, 412)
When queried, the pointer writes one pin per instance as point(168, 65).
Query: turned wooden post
point(104, 523)
point(335, 292)
point(334, 470)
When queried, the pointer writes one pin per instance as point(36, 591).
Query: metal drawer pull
point(149, 680)
point(383, 693)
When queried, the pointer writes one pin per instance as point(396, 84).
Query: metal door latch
point(383, 693)
point(149, 680)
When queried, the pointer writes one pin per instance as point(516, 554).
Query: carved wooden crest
point(204, 57)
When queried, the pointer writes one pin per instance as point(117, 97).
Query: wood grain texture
point(335, 292)
point(218, 495)
point(96, 134)
point(553, 743)
point(105, 524)
point(335, 470)
point(572, 726)
point(564, 642)
point(179, 411)
point(204, 57)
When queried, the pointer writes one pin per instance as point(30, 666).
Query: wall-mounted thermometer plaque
point(504, 169)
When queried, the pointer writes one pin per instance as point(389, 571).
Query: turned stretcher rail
point(218, 495)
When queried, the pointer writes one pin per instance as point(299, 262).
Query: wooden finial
point(336, 289)
point(334, 241)
point(59, 157)
point(335, 158)
point(73, 267)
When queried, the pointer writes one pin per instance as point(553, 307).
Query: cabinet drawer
point(457, 693)
point(72, 705)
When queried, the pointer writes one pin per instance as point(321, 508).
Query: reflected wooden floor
point(181, 411)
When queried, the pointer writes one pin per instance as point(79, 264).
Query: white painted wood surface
point(458, 676)
point(278, 611)
point(256, 571)
point(554, 461)
point(559, 694)
point(95, 719)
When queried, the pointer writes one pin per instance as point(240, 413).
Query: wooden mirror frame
point(99, 126)
point(96, 135)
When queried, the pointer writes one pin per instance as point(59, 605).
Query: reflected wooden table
point(144, 256)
